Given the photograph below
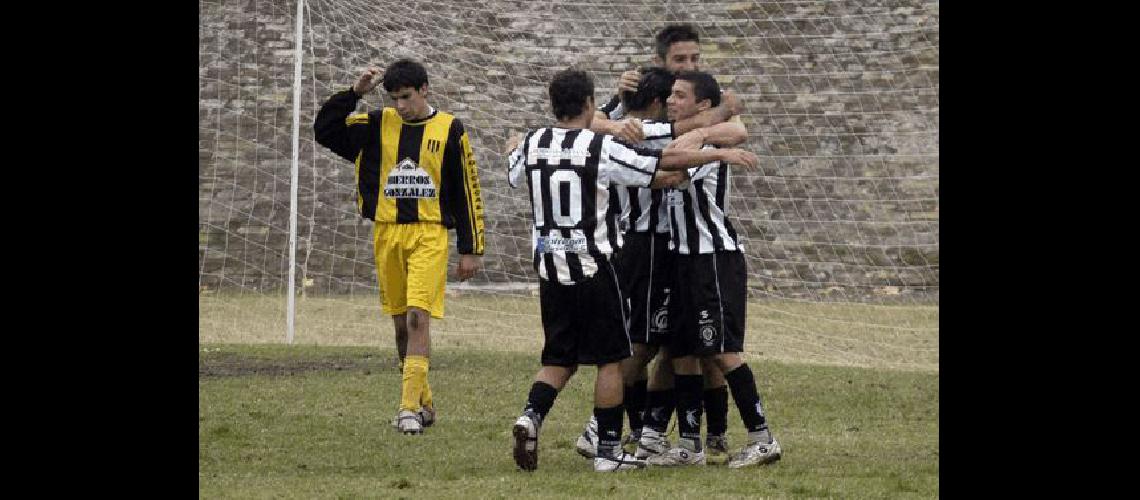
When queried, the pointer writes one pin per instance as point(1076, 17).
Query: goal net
point(839, 223)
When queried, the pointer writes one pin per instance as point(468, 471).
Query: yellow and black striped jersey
point(422, 171)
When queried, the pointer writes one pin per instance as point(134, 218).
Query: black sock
point(540, 400)
point(743, 386)
point(716, 410)
point(609, 430)
point(635, 404)
point(659, 407)
point(689, 407)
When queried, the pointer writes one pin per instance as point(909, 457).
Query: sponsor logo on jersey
point(553, 154)
point(408, 180)
point(551, 244)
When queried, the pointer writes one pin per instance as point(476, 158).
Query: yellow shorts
point(411, 266)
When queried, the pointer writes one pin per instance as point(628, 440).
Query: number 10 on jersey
point(555, 190)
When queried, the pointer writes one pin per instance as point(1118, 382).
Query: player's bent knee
point(418, 319)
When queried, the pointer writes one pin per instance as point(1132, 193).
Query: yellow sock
point(415, 378)
point(425, 396)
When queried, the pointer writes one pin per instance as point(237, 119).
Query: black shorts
point(584, 323)
point(647, 272)
point(707, 308)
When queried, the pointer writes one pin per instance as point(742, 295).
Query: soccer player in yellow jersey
point(416, 178)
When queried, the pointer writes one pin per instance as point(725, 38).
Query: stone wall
point(841, 98)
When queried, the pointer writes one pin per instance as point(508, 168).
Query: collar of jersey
point(430, 115)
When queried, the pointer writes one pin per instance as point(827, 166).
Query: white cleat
point(587, 444)
point(622, 461)
point(425, 414)
point(757, 454)
point(525, 432)
point(677, 457)
point(651, 443)
point(408, 423)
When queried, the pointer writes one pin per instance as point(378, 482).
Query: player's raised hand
point(737, 156)
point(629, 130)
point(369, 79)
point(628, 81)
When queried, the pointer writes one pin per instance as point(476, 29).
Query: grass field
point(903, 337)
point(851, 393)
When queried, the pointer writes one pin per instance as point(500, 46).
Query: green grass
point(901, 337)
point(310, 421)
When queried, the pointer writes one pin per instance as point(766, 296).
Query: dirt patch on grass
point(228, 364)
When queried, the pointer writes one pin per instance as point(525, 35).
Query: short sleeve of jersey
point(626, 165)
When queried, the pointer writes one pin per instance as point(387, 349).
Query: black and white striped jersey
point(568, 173)
point(697, 213)
point(641, 208)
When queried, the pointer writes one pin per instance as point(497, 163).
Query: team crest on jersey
point(661, 319)
point(408, 180)
point(708, 334)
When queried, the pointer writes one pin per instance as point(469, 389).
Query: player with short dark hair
point(678, 47)
point(416, 178)
point(707, 315)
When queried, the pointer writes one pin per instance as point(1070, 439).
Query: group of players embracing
point(640, 266)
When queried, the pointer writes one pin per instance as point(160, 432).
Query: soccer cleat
point(651, 443)
point(716, 449)
point(408, 422)
point(622, 461)
point(426, 415)
point(526, 441)
point(756, 454)
point(587, 444)
point(677, 457)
